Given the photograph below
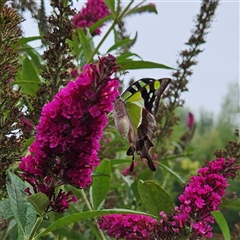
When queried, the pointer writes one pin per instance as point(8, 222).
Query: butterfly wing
point(146, 93)
point(145, 134)
point(141, 105)
point(135, 114)
point(159, 86)
point(148, 127)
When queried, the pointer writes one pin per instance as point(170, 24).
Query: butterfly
point(134, 115)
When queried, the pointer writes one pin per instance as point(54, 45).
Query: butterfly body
point(134, 115)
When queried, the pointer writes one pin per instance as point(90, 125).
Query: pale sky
point(161, 37)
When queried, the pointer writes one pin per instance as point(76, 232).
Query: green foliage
point(40, 202)
point(150, 193)
point(221, 221)
point(213, 133)
point(131, 64)
point(114, 190)
point(28, 79)
point(101, 184)
point(61, 222)
point(23, 212)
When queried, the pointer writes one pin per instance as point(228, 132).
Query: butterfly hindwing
point(136, 111)
point(145, 134)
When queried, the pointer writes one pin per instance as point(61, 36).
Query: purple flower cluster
point(201, 196)
point(70, 128)
point(128, 226)
point(191, 219)
point(90, 14)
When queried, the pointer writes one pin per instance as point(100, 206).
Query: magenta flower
point(126, 171)
point(70, 128)
point(90, 14)
point(74, 73)
point(27, 127)
point(201, 196)
point(127, 226)
point(190, 120)
point(191, 219)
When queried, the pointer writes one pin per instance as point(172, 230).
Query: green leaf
point(101, 184)
point(146, 8)
point(154, 197)
point(127, 55)
point(233, 203)
point(116, 36)
point(99, 23)
point(12, 232)
point(25, 40)
point(146, 174)
point(32, 53)
point(5, 209)
point(174, 174)
point(111, 5)
point(131, 64)
point(67, 233)
point(74, 45)
point(120, 161)
point(40, 202)
point(23, 212)
point(85, 43)
point(222, 223)
point(123, 42)
point(27, 144)
point(93, 229)
point(95, 174)
point(28, 78)
point(64, 221)
point(125, 10)
point(35, 57)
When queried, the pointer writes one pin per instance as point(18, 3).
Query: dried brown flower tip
point(10, 136)
point(58, 56)
point(231, 150)
point(166, 117)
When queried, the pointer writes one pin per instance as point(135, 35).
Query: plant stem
point(35, 227)
point(117, 18)
point(86, 200)
point(101, 42)
point(90, 208)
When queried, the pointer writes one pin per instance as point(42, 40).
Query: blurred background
point(161, 37)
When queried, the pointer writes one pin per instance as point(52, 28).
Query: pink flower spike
point(67, 141)
point(190, 120)
point(201, 196)
point(90, 14)
point(128, 226)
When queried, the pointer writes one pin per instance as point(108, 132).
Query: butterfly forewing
point(158, 93)
point(146, 93)
point(136, 88)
